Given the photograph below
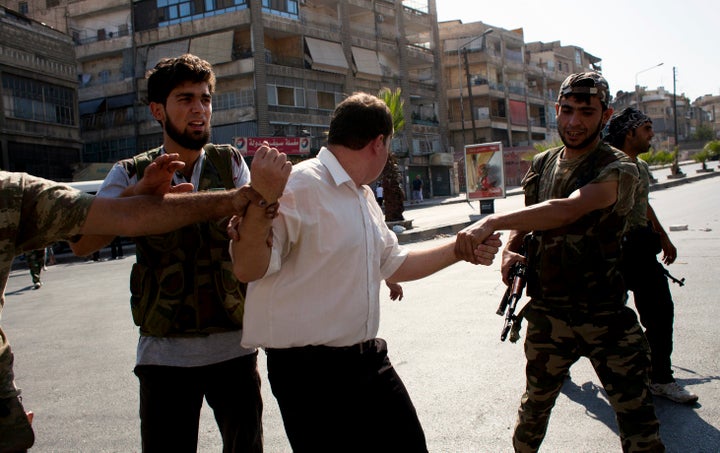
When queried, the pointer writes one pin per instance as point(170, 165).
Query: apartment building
point(707, 112)
point(39, 131)
point(501, 89)
point(281, 65)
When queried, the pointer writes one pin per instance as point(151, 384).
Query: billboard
point(484, 171)
point(288, 145)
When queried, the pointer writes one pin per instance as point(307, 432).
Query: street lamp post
point(637, 88)
point(463, 48)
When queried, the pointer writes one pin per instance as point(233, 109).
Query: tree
point(390, 178)
point(704, 132)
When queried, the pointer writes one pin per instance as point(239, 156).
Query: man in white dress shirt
point(313, 303)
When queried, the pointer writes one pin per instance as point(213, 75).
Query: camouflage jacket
point(182, 283)
point(578, 262)
point(34, 212)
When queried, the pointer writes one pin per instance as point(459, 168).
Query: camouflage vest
point(577, 263)
point(182, 283)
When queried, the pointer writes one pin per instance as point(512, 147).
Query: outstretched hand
point(269, 172)
point(477, 244)
point(158, 176)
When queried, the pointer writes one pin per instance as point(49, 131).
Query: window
point(289, 7)
point(286, 96)
point(32, 100)
point(326, 100)
point(52, 3)
point(23, 7)
point(104, 76)
point(176, 11)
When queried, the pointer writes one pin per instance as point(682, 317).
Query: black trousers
point(644, 276)
point(343, 400)
point(171, 399)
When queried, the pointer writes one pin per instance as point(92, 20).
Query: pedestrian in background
point(35, 260)
point(578, 197)
point(379, 194)
point(631, 132)
point(116, 249)
point(417, 190)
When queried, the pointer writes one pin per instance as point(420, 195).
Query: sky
point(631, 37)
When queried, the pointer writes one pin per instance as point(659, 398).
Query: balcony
point(95, 47)
point(88, 8)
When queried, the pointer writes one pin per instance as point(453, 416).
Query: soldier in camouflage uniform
point(577, 197)
point(35, 260)
point(35, 212)
point(631, 132)
point(184, 296)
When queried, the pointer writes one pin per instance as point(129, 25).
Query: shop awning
point(215, 48)
point(326, 56)
point(366, 62)
point(167, 50)
point(90, 107)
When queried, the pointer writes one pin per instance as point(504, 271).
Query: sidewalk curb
point(423, 234)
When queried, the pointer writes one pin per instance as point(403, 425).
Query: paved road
point(75, 346)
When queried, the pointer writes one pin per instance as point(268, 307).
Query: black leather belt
point(359, 348)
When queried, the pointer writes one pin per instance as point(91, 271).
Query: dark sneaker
point(673, 391)
point(16, 434)
point(37, 285)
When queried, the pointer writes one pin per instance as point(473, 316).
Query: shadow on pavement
point(681, 427)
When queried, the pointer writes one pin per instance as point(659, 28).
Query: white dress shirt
point(331, 251)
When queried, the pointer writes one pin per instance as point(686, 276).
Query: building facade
point(281, 67)
point(706, 112)
point(39, 131)
point(501, 89)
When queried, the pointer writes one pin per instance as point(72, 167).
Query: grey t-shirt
point(183, 351)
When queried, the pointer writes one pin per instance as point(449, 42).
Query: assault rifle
point(514, 291)
point(680, 282)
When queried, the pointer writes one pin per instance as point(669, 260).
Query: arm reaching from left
point(542, 216)
point(157, 180)
point(149, 214)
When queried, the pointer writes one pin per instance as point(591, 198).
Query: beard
point(188, 140)
point(585, 143)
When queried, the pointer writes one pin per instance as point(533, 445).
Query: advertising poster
point(484, 171)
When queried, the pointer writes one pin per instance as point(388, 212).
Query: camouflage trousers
point(15, 431)
point(618, 351)
point(35, 261)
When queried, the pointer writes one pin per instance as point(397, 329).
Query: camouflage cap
point(591, 82)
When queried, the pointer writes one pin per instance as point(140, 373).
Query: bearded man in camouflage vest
point(184, 296)
point(35, 212)
point(577, 197)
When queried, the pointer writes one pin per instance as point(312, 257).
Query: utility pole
point(469, 82)
point(675, 171)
